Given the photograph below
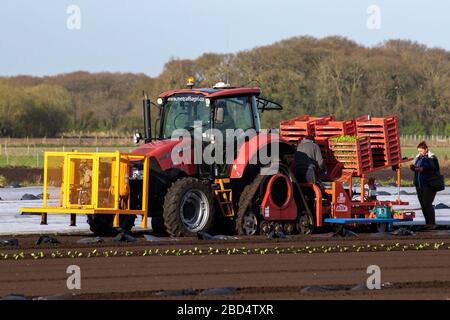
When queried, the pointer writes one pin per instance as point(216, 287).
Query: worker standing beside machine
point(425, 166)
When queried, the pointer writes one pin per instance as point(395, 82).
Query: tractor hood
point(161, 151)
point(158, 148)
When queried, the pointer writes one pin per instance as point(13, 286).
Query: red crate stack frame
point(297, 128)
point(355, 156)
point(336, 128)
point(384, 138)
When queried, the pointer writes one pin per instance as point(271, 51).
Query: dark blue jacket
point(430, 166)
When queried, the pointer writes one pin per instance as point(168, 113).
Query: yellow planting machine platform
point(90, 183)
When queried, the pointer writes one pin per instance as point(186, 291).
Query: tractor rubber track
point(246, 200)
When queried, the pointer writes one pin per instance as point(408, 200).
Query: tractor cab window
point(237, 114)
point(181, 111)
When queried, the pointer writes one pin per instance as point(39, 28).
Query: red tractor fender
point(249, 150)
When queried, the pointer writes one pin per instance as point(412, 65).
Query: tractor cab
point(221, 107)
point(212, 108)
point(213, 115)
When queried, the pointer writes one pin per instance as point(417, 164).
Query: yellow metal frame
point(69, 208)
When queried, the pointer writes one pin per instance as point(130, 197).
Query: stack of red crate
point(295, 129)
point(336, 128)
point(355, 156)
point(384, 139)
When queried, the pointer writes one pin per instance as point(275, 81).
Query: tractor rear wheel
point(188, 207)
point(102, 224)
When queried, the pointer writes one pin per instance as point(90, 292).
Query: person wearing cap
point(425, 165)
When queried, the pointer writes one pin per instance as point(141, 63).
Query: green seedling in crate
point(344, 139)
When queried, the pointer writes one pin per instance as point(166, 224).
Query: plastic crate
point(297, 128)
point(336, 128)
point(355, 156)
point(384, 139)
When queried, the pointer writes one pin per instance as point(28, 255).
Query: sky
point(47, 37)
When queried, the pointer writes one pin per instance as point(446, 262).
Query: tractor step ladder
point(224, 197)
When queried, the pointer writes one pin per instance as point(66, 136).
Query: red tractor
point(248, 188)
point(185, 198)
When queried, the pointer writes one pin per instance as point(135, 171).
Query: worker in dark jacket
point(425, 165)
point(308, 161)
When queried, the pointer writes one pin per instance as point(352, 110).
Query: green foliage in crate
point(344, 139)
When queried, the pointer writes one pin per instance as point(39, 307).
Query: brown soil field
point(301, 267)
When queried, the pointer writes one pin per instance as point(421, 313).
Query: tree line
point(306, 75)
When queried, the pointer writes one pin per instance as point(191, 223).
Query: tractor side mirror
point(219, 115)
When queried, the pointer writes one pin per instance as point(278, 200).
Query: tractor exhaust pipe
point(147, 118)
